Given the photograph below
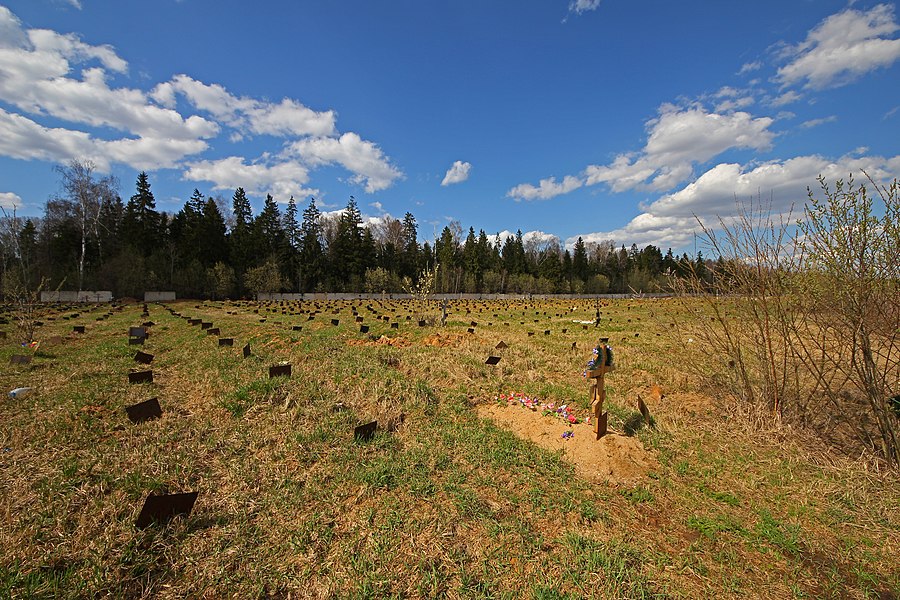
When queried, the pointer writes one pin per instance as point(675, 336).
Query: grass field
point(445, 503)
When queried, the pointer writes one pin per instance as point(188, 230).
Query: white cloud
point(750, 67)
point(842, 48)
point(75, 3)
point(535, 238)
point(678, 139)
point(282, 180)
point(38, 67)
point(539, 238)
point(457, 173)
point(669, 221)
point(546, 188)
point(22, 138)
point(734, 103)
point(11, 34)
point(581, 6)
point(362, 158)
point(816, 122)
point(788, 97)
point(248, 115)
point(9, 200)
point(44, 74)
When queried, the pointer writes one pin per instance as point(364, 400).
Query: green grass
point(447, 505)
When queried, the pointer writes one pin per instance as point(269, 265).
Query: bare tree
point(86, 195)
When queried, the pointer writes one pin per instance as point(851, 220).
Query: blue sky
point(607, 119)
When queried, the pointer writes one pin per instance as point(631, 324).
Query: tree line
point(89, 238)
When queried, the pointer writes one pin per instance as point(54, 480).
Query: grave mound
point(614, 458)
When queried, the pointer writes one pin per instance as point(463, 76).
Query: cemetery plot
point(470, 493)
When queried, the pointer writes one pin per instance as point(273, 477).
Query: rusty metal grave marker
point(161, 509)
point(365, 432)
point(140, 377)
point(279, 371)
point(645, 412)
point(144, 411)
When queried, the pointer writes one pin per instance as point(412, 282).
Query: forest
point(90, 239)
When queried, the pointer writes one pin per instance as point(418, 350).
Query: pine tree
point(291, 226)
point(290, 266)
point(213, 245)
point(410, 257)
point(580, 261)
point(240, 240)
point(140, 221)
point(311, 255)
point(345, 254)
point(268, 233)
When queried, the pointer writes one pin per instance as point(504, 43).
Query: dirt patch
point(442, 341)
point(614, 458)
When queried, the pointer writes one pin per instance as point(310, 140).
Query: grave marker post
point(603, 364)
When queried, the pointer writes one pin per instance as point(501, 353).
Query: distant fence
point(342, 296)
point(159, 296)
point(83, 296)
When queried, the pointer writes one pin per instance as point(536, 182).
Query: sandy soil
point(615, 458)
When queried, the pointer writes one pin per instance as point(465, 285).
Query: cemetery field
point(457, 494)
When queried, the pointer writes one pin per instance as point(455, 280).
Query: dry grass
point(446, 505)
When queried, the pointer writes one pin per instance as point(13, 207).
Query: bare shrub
point(851, 291)
point(746, 308)
point(804, 322)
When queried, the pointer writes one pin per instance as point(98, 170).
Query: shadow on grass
point(635, 422)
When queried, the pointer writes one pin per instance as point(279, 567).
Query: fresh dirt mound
point(442, 341)
point(614, 458)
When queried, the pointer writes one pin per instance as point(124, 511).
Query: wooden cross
point(603, 365)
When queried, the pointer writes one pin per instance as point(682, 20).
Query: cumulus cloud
point(248, 115)
point(678, 139)
point(749, 67)
point(731, 104)
point(788, 97)
point(670, 220)
point(581, 6)
point(49, 75)
point(546, 188)
point(842, 48)
point(41, 79)
point(281, 179)
point(457, 173)
point(363, 158)
point(22, 138)
point(10, 200)
point(535, 239)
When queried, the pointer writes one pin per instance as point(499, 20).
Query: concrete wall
point(71, 296)
point(337, 296)
point(159, 296)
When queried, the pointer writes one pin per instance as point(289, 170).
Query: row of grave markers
point(163, 507)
